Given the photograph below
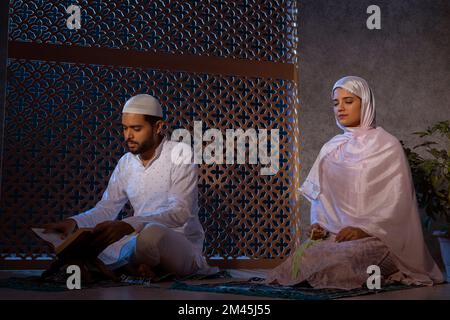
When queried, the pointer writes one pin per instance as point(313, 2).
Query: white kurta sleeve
point(113, 200)
point(181, 204)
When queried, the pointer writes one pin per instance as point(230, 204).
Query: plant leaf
point(427, 143)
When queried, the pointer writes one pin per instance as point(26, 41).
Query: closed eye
point(135, 128)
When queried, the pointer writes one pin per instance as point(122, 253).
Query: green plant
point(431, 174)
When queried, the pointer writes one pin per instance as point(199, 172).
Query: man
point(164, 234)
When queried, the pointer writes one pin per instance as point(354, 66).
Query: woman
point(363, 206)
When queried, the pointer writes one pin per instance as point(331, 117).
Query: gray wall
point(407, 63)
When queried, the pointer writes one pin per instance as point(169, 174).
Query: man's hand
point(316, 232)
point(64, 227)
point(107, 233)
point(350, 233)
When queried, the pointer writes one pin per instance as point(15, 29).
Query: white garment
point(362, 179)
point(360, 88)
point(367, 184)
point(164, 191)
point(164, 250)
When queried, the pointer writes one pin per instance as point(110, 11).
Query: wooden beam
point(152, 60)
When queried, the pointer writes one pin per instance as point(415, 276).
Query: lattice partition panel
point(250, 29)
point(62, 134)
point(63, 140)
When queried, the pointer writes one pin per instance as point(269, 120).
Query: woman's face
point(347, 108)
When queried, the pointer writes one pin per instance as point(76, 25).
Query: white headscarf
point(359, 87)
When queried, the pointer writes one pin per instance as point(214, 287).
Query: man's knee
point(151, 235)
point(158, 245)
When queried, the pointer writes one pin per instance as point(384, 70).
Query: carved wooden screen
point(228, 64)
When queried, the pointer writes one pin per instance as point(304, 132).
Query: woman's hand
point(350, 233)
point(316, 232)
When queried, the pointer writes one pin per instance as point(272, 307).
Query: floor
point(439, 292)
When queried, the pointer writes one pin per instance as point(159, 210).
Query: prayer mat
point(283, 292)
point(57, 283)
point(218, 275)
point(35, 283)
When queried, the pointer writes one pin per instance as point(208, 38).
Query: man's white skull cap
point(143, 104)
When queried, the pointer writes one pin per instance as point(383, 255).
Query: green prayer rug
point(283, 292)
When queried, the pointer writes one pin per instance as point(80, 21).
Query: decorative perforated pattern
point(63, 139)
point(248, 29)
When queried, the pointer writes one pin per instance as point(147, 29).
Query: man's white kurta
point(164, 192)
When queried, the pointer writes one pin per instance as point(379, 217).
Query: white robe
point(163, 192)
point(362, 179)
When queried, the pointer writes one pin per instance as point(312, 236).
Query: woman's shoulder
point(386, 138)
point(376, 138)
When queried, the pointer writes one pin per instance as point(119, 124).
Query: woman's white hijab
point(359, 87)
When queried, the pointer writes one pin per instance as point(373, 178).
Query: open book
point(73, 241)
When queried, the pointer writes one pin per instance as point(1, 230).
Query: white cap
point(143, 104)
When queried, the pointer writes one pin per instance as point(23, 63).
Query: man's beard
point(141, 148)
